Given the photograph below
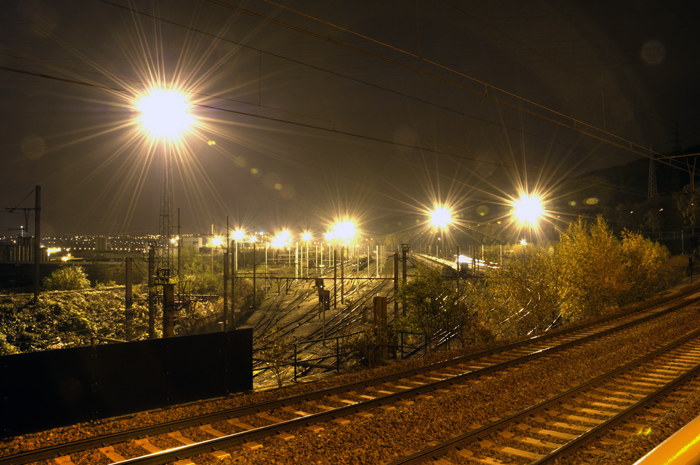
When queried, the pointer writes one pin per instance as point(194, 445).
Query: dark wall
point(20, 276)
point(44, 390)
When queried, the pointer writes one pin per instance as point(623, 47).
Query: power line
point(291, 60)
point(532, 49)
point(334, 130)
point(346, 77)
point(623, 143)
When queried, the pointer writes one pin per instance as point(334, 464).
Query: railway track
point(619, 402)
point(244, 427)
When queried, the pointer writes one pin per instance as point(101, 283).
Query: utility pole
point(404, 248)
point(226, 262)
point(165, 226)
point(37, 241)
point(396, 284)
point(129, 299)
point(168, 309)
point(179, 262)
point(152, 291)
point(342, 275)
point(376, 263)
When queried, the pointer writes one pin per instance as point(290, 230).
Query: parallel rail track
point(288, 413)
point(559, 426)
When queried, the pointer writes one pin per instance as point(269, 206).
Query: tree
point(642, 261)
point(371, 344)
point(689, 206)
point(592, 271)
point(66, 279)
point(461, 315)
point(274, 349)
point(426, 299)
point(197, 270)
point(525, 295)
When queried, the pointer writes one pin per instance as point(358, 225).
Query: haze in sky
point(305, 112)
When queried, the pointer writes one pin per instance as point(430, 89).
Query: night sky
point(370, 110)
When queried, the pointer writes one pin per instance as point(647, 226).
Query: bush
point(5, 347)
point(66, 320)
point(67, 279)
point(672, 272)
point(274, 348)
point(372, 344)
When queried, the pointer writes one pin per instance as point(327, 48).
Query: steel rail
point(113, 438)
point(470, 437)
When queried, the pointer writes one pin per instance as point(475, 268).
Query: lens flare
point(441, 217)
point(164, 113)
point(528, 209)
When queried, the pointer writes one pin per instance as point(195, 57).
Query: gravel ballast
point(389, 434)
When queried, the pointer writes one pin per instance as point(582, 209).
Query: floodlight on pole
point(238, 235)
point(164, 114)
point(344, 230)
point(440, 218)
point(527, 210)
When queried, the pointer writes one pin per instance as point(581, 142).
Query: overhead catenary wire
point(335, 130)
point(463, 114)
point(550, 59)
point(622, 143)
point(337, 122)
point(318, 68)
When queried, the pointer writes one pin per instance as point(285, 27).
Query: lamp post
point(440, 217)
point(165, 115)
point(306, 237)
point(527, 211)
point(238, 236)
point(343, 231)
point(253, 239)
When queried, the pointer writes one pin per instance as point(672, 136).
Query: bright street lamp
point(527, 210)
point(238, 235)
point(165, 114)
point(343, 230)
point(440, 218)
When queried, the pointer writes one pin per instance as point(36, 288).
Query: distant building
point(195, 242)
point(101, 243)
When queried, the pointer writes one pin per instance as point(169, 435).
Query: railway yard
point(603, 392)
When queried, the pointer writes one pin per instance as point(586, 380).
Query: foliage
point(67, 320)
point(642, 260)
point(672, 272)
point(587, 274)
point(371, 344)
point(525, 295)
point(431, 304)
point(66, 279)
point(461, 315)
point(5, 347)
point(114, 274)
point(203, 272)
point(688, 205)
point(274, 348)
point(592, 270)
